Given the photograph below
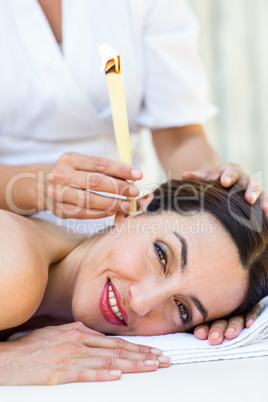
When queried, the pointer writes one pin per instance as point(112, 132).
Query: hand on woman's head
point(229, 174)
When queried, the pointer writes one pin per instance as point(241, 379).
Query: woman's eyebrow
point(199, 307)
point(184, 251)
point(184, 256)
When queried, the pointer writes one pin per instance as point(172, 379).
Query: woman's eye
point(183, 311)
point(161, 255)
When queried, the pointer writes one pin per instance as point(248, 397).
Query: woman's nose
point(143, 298)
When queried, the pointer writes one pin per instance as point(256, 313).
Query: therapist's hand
point(219, 330)
point(69, 180)
point(72, 353)
point(229, 174)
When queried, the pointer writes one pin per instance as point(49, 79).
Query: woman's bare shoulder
point(27, 248)
point(23, 270)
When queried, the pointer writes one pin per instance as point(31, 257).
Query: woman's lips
point(105, 307)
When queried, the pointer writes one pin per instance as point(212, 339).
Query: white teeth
point(112, 301)
point(113, 304)
point(115, 309)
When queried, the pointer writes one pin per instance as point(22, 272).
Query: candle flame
point(113, 65)
point(117, 64)
point(110, 59)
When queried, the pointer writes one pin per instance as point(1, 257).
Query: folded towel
point(185, 348)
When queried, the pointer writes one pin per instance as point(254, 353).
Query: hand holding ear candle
point(116, 90)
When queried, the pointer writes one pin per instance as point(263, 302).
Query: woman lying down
point(197, 253)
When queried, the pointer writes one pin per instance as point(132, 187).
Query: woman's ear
point(142, 204)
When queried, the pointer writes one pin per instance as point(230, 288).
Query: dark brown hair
point(246, 224)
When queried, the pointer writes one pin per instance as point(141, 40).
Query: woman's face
point(157, 275)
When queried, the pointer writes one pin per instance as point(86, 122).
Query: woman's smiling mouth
point(111, 306)
point(113, 303)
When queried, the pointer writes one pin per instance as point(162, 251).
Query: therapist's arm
point(186, 148)
point(22, 188)
point(185, 153)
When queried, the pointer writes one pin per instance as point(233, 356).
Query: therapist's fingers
point(254, 190)
point(233, 173)
point(230, 173)
point(97, 164)
point(95, 182)
point(89, 200)
point(99, 182)
point(264, 202)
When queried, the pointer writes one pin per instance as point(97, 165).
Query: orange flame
point(114, 65)
point(117, 64)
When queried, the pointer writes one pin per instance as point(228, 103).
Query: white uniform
point(53, 101)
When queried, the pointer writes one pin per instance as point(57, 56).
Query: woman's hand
point(72, 353)
point(229, 174)
point(216, 331)
point(74, 174)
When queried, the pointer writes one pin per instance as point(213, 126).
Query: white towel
point(185, 348)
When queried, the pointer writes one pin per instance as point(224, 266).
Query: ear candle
point(116, 91)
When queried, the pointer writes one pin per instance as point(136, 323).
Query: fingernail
point(250, 322)
point(115, 373)
point(133, 191)
point(164, 359)
point(151, 362)
point(156, 351)
point(136, 173)
point(126, 205)
point(201, 331)
point(227, 180)
point(253, 197)
point(231, 329)
point(214, 335)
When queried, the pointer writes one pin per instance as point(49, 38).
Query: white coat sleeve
point(176, 87)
